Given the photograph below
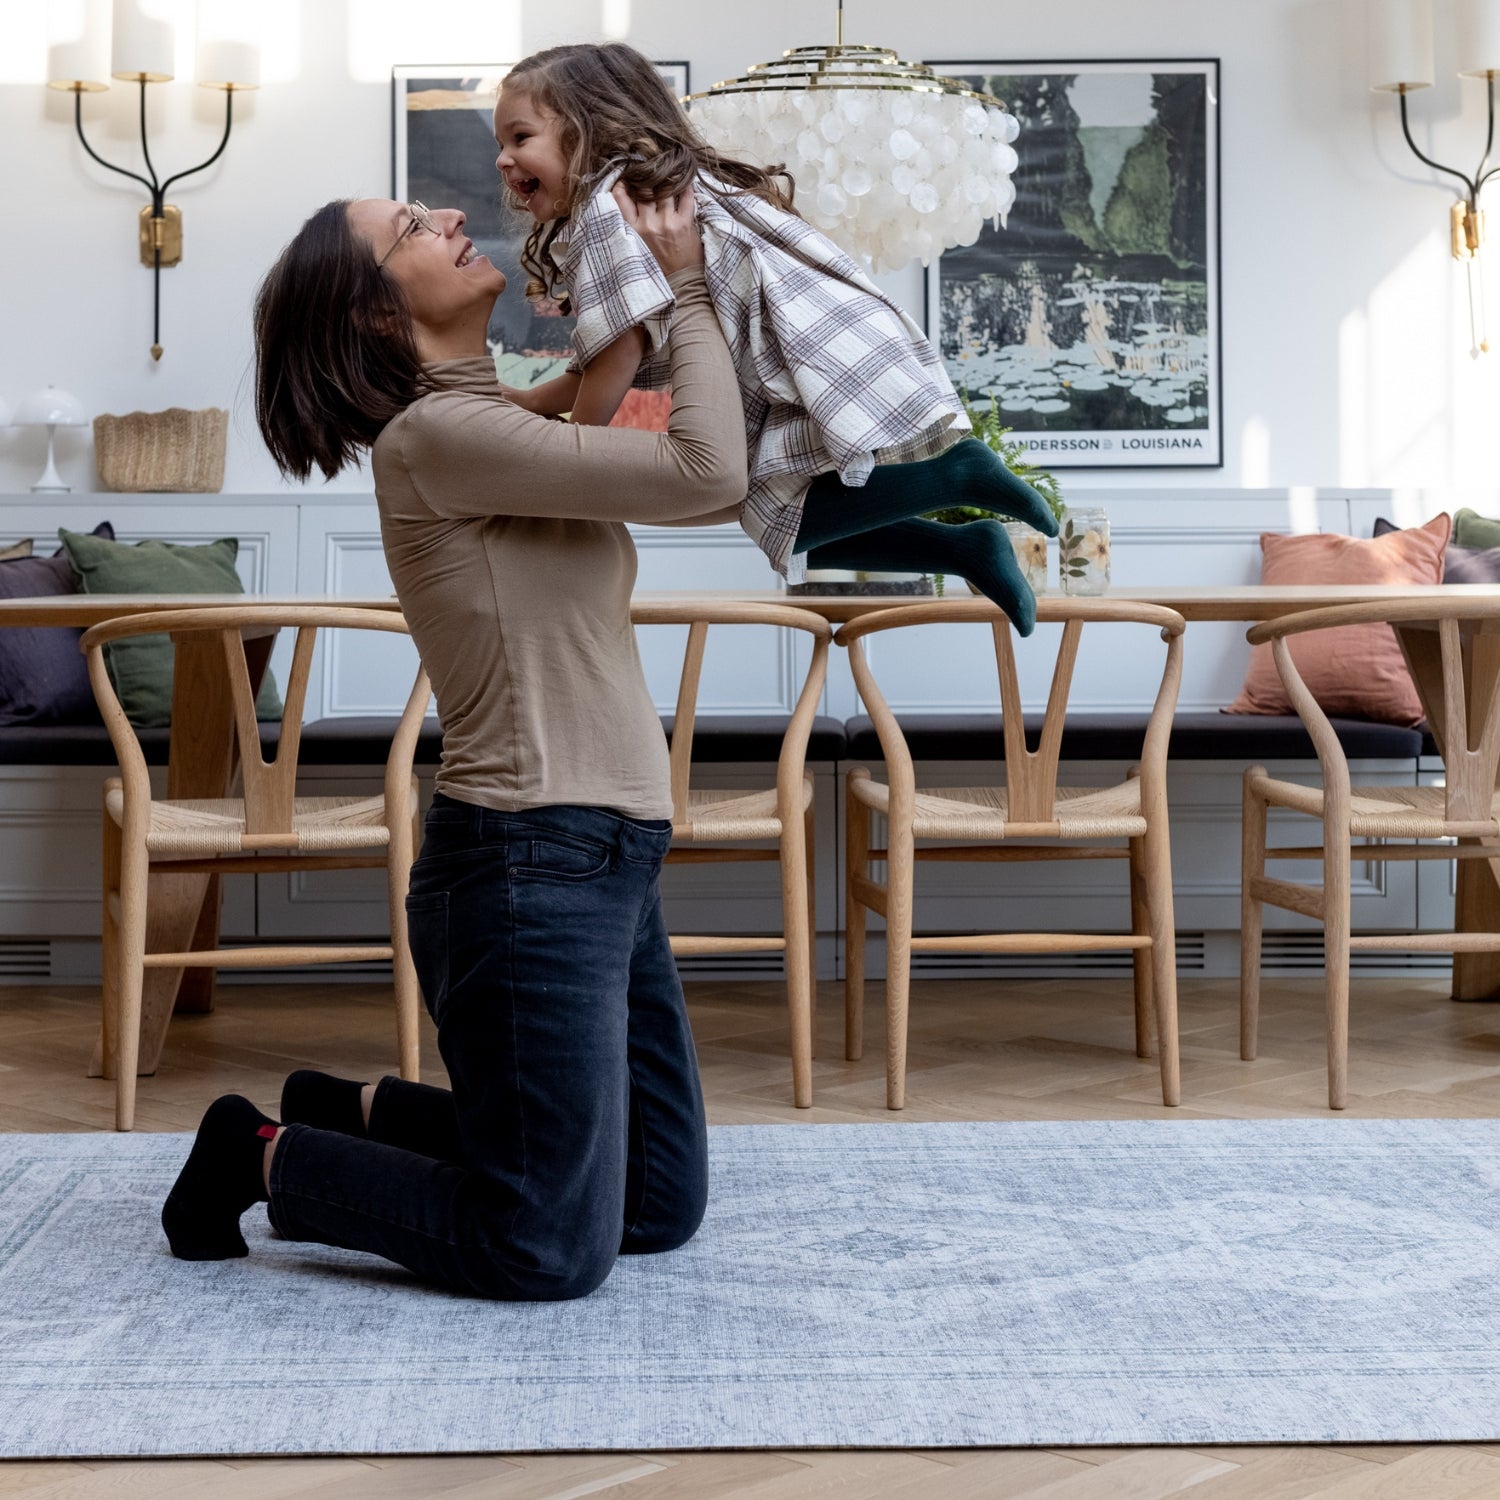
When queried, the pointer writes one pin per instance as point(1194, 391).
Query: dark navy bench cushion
point(88, 744)
point(720, 738)
point(1195, 736)
point(727, 738)
point(717, 738)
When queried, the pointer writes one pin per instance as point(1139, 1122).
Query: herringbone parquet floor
point(1021, 1050)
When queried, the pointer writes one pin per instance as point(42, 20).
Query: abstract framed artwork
point(443, 152)
point(1092, 318)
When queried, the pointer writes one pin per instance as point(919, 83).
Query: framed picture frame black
point(443, 153)
point(1093, 316)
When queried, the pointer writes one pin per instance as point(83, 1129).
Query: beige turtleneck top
point(505, 536)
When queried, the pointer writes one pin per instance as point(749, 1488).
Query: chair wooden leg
point(1163, 948)
point(1336, 918)
point(856, 862)
point(1252, 864)
point(403, 972)
point(809, 845)
point(131, 972)
point(109, 946)
point(798, 958)
point(899, 878)
point(1140, 926)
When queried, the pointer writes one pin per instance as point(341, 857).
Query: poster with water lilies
point(444, 155)
point(1091, 315)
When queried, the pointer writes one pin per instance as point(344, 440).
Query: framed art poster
point(1092, 316)
point(444, 154)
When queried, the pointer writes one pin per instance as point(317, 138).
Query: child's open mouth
point(526, 187)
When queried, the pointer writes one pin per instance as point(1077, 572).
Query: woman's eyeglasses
point(421, 218)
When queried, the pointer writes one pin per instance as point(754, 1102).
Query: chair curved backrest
point(269, 786)
point(698, 616)
point(1030, 776)
point(1442, 652)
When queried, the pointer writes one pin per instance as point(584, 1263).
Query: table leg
point(1476, 976)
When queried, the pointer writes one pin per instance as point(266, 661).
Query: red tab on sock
point(266, 1132)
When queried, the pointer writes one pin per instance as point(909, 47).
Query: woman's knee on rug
point(669, 1217)
point(559, 1273)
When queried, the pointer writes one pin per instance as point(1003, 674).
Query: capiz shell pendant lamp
point(891, 160)
point(141, 50)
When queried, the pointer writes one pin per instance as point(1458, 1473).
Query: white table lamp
point(50, 408)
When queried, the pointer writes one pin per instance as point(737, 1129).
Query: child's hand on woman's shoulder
point(668, 227)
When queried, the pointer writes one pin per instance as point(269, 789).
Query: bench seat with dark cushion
point(717, 739)
point(722, 738)
point(88, 744)
point(1195, 736)
point(728, 738)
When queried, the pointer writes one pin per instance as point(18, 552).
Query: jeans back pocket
point(427, 934)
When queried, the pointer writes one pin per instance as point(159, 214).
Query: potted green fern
point(1031, 546)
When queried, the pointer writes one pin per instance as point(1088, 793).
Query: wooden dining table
point(201, 750)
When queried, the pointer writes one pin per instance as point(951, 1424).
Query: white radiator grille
point(1191, 959)
point(1302, 953)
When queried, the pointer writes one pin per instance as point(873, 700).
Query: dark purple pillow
point(43, 678)
point(1460, 564)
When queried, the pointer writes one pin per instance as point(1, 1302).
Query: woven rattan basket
point(175, 450)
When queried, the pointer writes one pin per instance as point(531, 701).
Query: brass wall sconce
point(1401, 63)
point(142, 51)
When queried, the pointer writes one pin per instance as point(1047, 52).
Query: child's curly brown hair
point(614, 106)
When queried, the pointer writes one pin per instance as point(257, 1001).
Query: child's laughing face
point(531, 158)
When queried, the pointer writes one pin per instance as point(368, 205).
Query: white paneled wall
point(49, 816)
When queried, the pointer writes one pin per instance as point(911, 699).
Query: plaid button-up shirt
point(834, 376)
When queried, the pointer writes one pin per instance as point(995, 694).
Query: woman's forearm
point(470, 454)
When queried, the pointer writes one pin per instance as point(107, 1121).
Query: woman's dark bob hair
point(335, 357)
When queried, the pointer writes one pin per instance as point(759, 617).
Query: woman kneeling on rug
point(574, 1131)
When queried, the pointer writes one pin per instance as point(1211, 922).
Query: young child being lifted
point(854, 430)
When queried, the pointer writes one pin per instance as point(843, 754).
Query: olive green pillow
point(1470, 529)
point(141, 668)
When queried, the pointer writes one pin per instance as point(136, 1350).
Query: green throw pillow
point(141, 669)
point(1470, 529)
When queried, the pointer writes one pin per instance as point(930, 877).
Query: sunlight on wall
point(1354, 399)
point(1409, 369)
point(1302, 508)
point(614, 19)
point(1255, 454)
point(1476, 386)
point(382, 34)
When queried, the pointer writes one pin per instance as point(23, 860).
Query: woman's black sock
point(978, 550)
point(323, 1101)
point(968, 473)
point(223, 1176)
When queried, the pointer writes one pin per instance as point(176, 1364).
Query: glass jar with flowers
point(1030, 545)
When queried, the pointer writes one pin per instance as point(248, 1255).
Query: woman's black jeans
point(574, 1131)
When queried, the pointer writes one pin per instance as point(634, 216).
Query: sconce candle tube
point(1478, 23)
point(143, 48)
point(79, 59)
point(228, 64)
point(1400, 45)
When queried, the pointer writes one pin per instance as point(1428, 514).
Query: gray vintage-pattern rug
point(854, 1285)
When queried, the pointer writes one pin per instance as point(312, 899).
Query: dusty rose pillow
point(1357, 672)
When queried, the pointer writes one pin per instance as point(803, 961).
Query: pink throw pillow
point(1357, 672)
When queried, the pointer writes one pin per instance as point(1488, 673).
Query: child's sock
point(223, 1176)
point(969, 473)
point(979, 551)
point(323, 1101)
